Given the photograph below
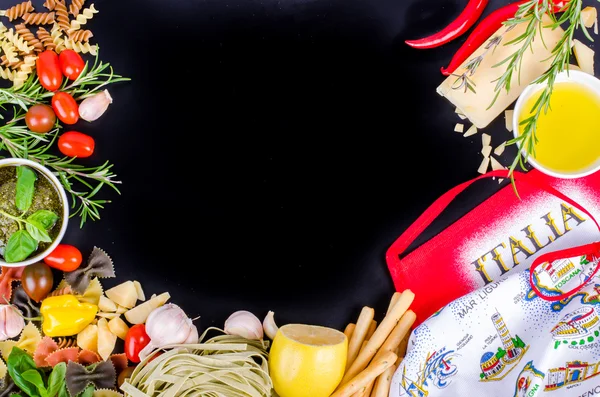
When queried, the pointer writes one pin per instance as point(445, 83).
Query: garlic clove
point(11, 322)
point(90, 109)
point(193, 336)
point(245, 324)
point(269, 325)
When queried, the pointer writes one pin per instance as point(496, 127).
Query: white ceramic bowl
point(574, 76)
point(65, 213)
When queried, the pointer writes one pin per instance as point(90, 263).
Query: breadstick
point(364, 377)
point(349, 330)
point(393, 301)
point(403, 346)
point(398, 333)
point(371, 330)
point(365, 391)
point(381, 333)
point(360, 331)
point(383, 383)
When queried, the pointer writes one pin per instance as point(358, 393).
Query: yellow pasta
point(18, 10)
point(18, 41)
point(38, 18)
point(75, 7)
point(78, 46)
point(81, 35)
point(82, 18)
point(62, 16)
point(92, 293)
point(12, 65)
point(21, 77)
point(7, 74)
point(57, 38)
point(10, 51)
point(30, 336)
point(50, 4)
point(44, 37)
point(29, 37)
point(2, 29)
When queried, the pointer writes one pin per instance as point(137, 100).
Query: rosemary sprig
point(463, 80)
point(81, 182)
point(531, 13)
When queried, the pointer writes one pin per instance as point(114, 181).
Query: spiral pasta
point(78, 46)
point(81, 35)
point(57, 38)
point(18, 41)
point(82, 19)
point(38, 18)
point(10, 51)
point(7, 74)
point(50, 4)
point(18, 10)
point(29, 37)
point(75, 7)
point(44, 37)
point(62, 16)
point(24, 71)
point(12, 65)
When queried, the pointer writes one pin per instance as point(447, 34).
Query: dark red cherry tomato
point(135, 340)
point(71, 64)
point(76, 144)
point(37, 280)
point(40, 118)
point(65, 107)
point(48, 70)
point(65, 257)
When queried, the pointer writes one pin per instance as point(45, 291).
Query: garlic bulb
point(168, 325)
point(245, 324)
point(92, 108)
point(269, 325)
point(11, 322)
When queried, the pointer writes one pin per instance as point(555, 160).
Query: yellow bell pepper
point(64, 315)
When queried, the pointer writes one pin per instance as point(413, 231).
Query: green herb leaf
point(34, 377)
point(20, 246)
point(56, 381)
point(45, 217)
point(25, 187)
point(19, 362)
point(36, 230)
point(63, 391)
point(88, 392)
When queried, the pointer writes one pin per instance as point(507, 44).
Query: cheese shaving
point(500, 149)
point(486, 140)
point(589, 15)
point(471, 131)
point(459, 127)
point(496, 164)
point(508, 118)
point(486, 151)
point(484, 165)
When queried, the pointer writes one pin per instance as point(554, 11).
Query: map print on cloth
point(497, 365)
point(529, 381)
point(437, 371)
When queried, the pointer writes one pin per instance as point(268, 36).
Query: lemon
point(307, 360)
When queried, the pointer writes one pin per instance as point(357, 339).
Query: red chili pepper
point(484, 30)
point(460, 25)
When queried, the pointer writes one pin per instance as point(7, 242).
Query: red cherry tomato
point(76, 144)
point(65, 107)
point(40, 118)
point(65, 257)
point(48, 70)
point(71, 64)
point(135, 340)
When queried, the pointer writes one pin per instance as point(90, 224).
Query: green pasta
point(225, 365)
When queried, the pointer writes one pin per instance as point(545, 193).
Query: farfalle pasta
point(83, 18)
point(38, 18)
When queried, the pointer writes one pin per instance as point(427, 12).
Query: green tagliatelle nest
point(223, 366)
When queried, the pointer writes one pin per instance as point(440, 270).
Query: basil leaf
point(37, 230)
point(25, 187)
point(19, 362)
point(57, 379)
point(45, 217)
point(20, 245)
point(34, 377)
point(88, 392)
point(63, 391)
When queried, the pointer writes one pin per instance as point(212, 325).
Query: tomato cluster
point(40, 118)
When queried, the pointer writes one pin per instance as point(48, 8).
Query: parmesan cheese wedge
point(486, 140)
point(534, 63)
point(496, 164)
point(471, 131)
point(486, 151)
point(585, 57)
point(508, 118)
point(459, 127)
point(589, 15)
point(500, 149)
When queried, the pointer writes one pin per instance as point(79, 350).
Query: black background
point(271, 151)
